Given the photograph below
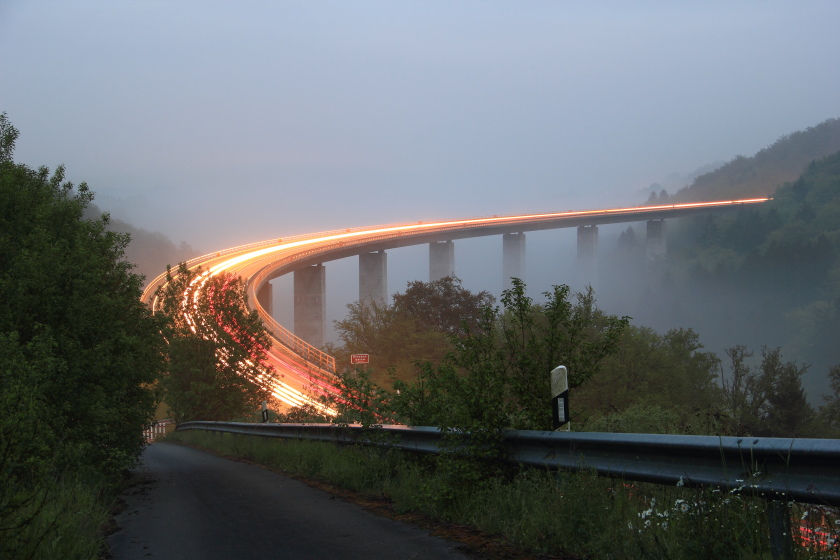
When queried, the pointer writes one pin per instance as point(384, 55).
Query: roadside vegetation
point(622, 378)
point(571, 515)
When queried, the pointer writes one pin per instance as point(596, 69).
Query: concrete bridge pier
point(311, 303)
point(513, 258)
point(655, 246)
point(373, 277)
point(441, 260)
point(587, 264)
point(265, 297)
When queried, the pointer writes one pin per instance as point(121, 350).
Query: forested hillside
point(763, 173)
point(769, 276)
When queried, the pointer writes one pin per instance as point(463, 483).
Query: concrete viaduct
point(310, 273)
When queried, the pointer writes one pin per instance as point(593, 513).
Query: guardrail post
point(560, 398)
point(781, 538)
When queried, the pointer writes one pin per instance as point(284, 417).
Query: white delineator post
point(560, 398)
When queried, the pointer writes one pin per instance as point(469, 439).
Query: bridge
point(305, 371)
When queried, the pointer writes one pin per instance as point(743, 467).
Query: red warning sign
point(359, 358)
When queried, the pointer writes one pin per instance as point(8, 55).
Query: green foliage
point(498, 375)
point(393, 340)
point(416, 328)
point(8, 136)
point(77, 340)
point(79, 352)
point(217, 367)
point(637, 419)
point(767, 400)
point(442, 305)
point(667, 374)
point(304, 414)
point(359, 400)
point(830, 411)
point(60, 519)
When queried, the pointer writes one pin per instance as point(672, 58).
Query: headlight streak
point(470, 222)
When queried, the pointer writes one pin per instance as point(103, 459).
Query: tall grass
point(578, 514)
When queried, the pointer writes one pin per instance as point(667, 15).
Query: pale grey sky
point(221, 123)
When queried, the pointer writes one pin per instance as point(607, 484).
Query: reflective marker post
point(264, 412)
point(560, 398)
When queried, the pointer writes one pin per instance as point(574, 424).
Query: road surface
point(190, 504)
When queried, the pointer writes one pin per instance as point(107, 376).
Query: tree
point(648, 370)
point(768, 400)
point(416, 328)
point(788, 411)
point(442, 305)
point(79, 352)
point(830, 411)
point(498, 375)
point(69, 302)
point(217, 367)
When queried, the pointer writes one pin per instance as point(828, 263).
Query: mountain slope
point(761, 174)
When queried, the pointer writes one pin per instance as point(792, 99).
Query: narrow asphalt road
point(188, 504)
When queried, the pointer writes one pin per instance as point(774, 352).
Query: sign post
point(560, 398)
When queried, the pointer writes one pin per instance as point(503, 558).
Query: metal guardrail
point(802, 470)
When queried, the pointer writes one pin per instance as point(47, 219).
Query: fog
point(222, 123)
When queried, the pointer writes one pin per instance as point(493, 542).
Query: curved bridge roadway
point(305, 371)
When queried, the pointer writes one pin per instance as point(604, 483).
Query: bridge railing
point(299, 346)
point(802, 470)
